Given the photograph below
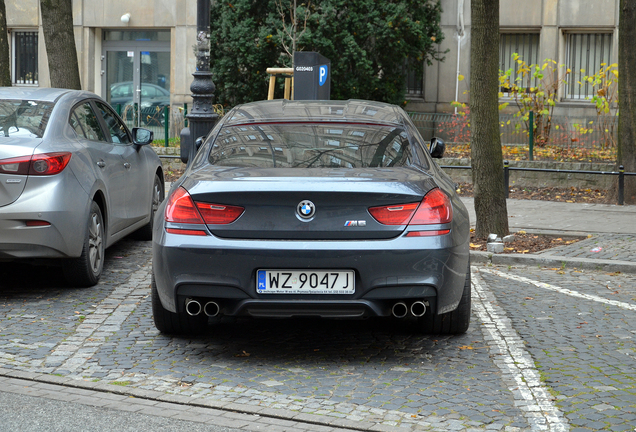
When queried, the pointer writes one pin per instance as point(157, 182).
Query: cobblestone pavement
point(525, 364)
point(598, 247)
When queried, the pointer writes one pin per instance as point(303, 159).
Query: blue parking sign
point(322, 75)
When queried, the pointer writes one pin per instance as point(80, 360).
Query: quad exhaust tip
point(193, 307)
point(418, 308)
point(211, 309)
point(399, 310)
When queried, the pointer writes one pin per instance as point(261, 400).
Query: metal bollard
point(166, 124)
point(531, 136)
point(507, 177)
point(621, 185)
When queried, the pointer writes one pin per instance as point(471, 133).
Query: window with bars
point(414, 84)
point(524, 44)
point(25, 57)
point(414, 81)
point(585, 51)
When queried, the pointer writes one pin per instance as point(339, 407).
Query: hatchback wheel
point(86, 270)
point(145, 232)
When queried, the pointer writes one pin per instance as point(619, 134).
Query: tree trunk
point(487, 163)
point(627, 93)
point(57, 24)
point(5, 59)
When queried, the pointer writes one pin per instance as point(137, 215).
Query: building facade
point(144, 48)
point(126, 49)
point(578, 34)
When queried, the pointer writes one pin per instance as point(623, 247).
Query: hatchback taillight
point(434, 209)
point(37, 164)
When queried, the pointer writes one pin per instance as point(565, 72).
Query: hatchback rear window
point(24, 118)
point(316, 145)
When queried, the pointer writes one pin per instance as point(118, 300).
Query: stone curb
point(99, 387)
point(553, 261)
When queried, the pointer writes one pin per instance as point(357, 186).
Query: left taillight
point(37, 164)
point(183, 210)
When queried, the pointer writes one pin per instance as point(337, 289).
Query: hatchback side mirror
point(437, 148)
point(142, 136)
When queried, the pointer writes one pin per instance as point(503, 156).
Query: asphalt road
point(29, 413)
point(548, 349)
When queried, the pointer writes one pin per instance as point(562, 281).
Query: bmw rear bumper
point(207, 268)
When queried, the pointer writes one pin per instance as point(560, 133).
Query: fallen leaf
point(466, 347)
point(529, 298)
point(243, 354)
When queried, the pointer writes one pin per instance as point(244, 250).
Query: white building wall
point(552, 19)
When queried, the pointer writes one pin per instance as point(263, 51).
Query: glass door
point(154, 90)
point(120, 84)
point(137, 76)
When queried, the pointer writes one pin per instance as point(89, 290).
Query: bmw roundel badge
point(306, 209)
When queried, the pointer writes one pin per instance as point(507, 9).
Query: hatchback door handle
point(101, 164)
point(127, 165)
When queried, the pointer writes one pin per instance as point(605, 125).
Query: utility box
point(312, 76)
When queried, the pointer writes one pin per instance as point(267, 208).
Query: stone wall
point(542, 179)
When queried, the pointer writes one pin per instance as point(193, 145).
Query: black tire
point(451, 323)
point(86, 270)
point(145, 232)
point(175, 323)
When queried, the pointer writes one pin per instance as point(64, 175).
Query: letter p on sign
point(322, 77)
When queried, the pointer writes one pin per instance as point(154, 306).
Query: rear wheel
point(145, 232)
point(451, 323)
point(86, 270)
point(175, 323)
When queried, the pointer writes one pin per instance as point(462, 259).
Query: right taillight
point(435, 209)
point(181, 209)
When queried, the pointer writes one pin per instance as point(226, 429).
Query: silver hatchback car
point(325, 208)
point(73, 179)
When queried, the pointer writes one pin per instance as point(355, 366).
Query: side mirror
point(437, 148)
point(142, 136)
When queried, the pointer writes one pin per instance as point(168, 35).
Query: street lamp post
point(202, 118)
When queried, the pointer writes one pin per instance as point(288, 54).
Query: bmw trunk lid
point(12, 185)
point(307, 204)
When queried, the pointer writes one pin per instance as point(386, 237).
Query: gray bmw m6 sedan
point(331, 209)
point(73, 180)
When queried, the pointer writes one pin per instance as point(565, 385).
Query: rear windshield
point(24, 118)
point(320, 145)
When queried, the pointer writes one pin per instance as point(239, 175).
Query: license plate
point(305, 282)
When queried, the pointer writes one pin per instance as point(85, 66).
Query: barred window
point(414, 83)
point(585, 51)
point(25, 57)
point(524, 44)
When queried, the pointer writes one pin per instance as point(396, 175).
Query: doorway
point(136, 66)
